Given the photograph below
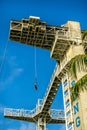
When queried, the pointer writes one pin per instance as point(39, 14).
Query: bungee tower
point(65, 44)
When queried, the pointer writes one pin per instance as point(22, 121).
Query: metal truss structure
point(58, 40)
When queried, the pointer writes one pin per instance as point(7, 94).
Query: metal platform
point(53, 116)
point(37, 33)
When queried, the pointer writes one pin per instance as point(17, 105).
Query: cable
point(35, 83)
point(35, 65)
point(4, 56)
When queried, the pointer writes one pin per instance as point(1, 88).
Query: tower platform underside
point(36, 33)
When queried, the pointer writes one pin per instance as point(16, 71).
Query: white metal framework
point(67, 102)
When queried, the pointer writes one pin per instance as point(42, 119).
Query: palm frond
point(72, 68)
point(82, 59)
point(84, 35)
point(81, 85)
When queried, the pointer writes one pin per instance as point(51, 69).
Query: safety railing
point(56, 72)
point(65, 36)
point(50, 84)
point(19, 112)
point(39, 105)
point(57, 114)
point(62, 35)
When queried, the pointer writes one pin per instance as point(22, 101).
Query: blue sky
point(17, 73)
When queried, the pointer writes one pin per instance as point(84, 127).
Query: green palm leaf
point(84, 35)
point(82, 59)
point(81, 85)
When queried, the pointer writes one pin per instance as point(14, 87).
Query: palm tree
point(84, 40)
point(81, 84)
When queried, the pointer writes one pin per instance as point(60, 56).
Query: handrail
point(57, 114)
point(19, 112)
point(57, 70)
point(50, 83)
